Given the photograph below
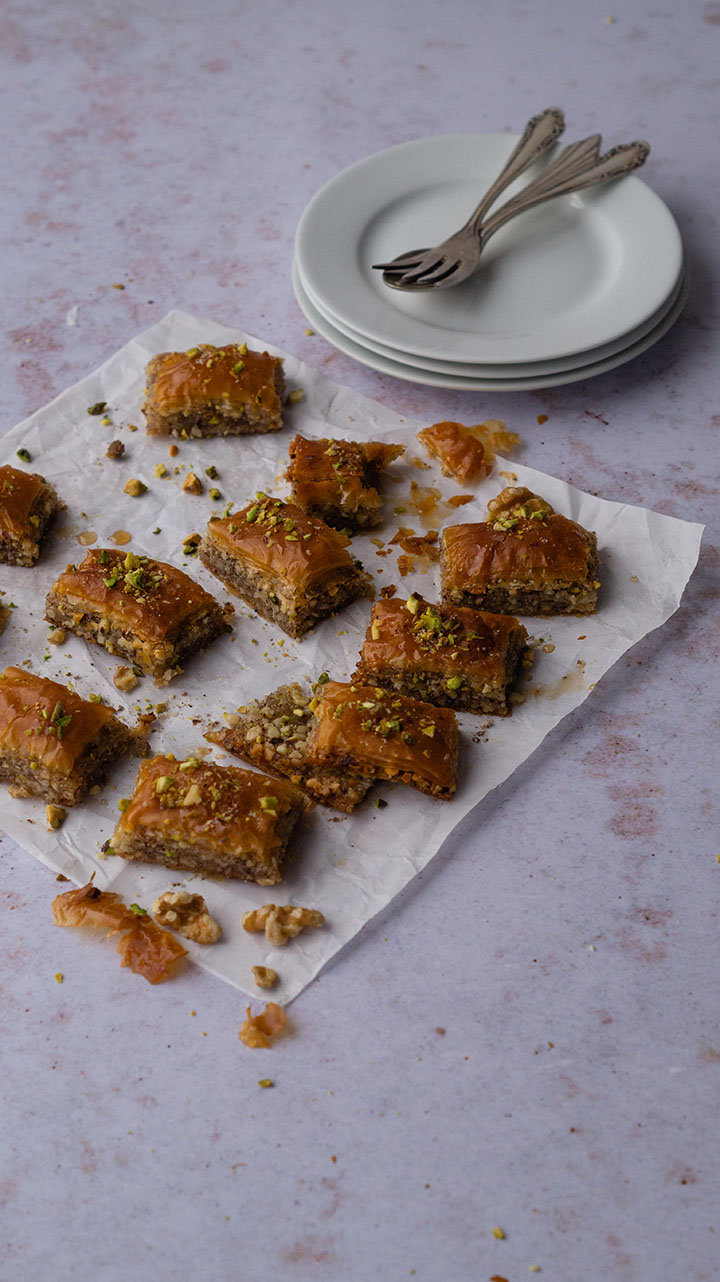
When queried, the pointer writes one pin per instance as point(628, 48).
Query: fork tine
point(412, 276)
point(412, 258)
point(431, 275)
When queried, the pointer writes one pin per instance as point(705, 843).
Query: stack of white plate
point(566, 291)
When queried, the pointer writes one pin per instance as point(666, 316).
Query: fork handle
point(583, 168)
point(539, 135)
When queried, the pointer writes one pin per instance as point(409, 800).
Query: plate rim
point(525, 369)
point(449, 383)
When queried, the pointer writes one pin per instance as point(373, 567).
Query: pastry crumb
point(257, 1030)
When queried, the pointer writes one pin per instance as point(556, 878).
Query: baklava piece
point(216, 820)
point(275, 733)
point(339, 481)
point(460, 454)
point(214, 391)
point(289, 567)
point(452, 657)
point(369, 730)
point(27, 507)
point(524, 559)
point(143, 610)
point(53, 744)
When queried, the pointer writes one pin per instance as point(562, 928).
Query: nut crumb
point(265, 976)
point(124, 679)
point(188, 915)
point(135, 487)
point(115, 449)
point(281, 923)
point(192, 484)
point(57, 636)
point(55, 816)
point(498, 1233)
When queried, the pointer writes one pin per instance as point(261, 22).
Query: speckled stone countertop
point(527, 1038)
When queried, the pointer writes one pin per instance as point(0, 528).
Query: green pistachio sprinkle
point(24, 455)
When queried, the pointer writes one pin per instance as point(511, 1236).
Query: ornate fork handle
point(539, 135)
point(579, 166)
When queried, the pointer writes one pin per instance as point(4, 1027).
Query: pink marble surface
point(528, 1036)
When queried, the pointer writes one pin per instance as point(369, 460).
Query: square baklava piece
point(276, 733)
point(214, 391)
point(458, 451)
point(28, 504)
point(220, 821)
point(291, 568)
point(339, 481)
point(524, 559)
point(147, 612)
point(53, 744)
point(371, 731)
point(447, 655)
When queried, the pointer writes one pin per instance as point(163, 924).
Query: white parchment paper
point(348, 866)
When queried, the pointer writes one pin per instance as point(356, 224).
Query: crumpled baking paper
point(347, 866)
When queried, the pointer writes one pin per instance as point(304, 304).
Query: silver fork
point(578, 166)
point(539, 135)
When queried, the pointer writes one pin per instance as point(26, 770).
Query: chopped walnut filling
point(188, 915)
point(281, 923)
point(264, 976)
point(257, 1030)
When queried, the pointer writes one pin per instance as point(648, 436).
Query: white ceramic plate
point(453, 382)
point(566, 277)
point(522, 370)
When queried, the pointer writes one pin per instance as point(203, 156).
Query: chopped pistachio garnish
point(162, 783)
point(135, 487)
point(98, 408)
point(193, 796)
point(138, 911)
point(212, 472)
point(160, 470)
point(123, 803)
point(268, 803)
point(23, 455)
point(453, 683)
point(215, 494)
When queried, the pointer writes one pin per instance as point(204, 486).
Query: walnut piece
point(125, 679)
point(281, 923)
point(257, 1030)
point(264, 976)
point(188, 915)
point(115, 449)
